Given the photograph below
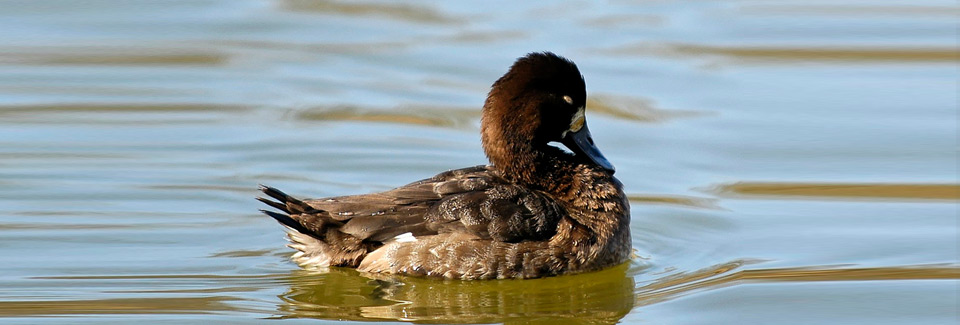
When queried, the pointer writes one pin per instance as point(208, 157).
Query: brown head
point(541, 99)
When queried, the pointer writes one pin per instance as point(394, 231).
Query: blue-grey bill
point(581, 143)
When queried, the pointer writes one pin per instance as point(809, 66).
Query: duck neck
point(542, 168)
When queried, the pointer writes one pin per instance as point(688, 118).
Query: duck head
point(540, 100)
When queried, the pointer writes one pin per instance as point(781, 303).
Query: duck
point(535, 210)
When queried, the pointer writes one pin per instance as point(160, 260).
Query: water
point(787, 162)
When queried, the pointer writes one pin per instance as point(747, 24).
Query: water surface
point(787, 162)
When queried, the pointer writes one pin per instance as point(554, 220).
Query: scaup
point(535, 211)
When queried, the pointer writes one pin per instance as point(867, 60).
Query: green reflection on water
point(599, 297)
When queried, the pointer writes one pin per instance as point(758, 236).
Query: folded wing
point(471, 202)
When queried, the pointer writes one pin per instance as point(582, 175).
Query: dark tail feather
point(292, 206)
point(288, 221)
point(287, 203)
point(331, 247)
point(275, 205)
point(273, 192)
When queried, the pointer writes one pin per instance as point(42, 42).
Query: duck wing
point(382, 216)
point(474, 201)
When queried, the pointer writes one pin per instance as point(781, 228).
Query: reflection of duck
point(593, 298)
point(535, 211)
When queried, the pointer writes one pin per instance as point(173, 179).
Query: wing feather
point(474, 201)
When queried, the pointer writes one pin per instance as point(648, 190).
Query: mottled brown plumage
point(535, 211)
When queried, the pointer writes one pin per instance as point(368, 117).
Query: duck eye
point(568, 99)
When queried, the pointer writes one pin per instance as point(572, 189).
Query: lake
point(788, 162)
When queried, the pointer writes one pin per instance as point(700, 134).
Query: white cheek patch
point(405, 238)
point(577, 122)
